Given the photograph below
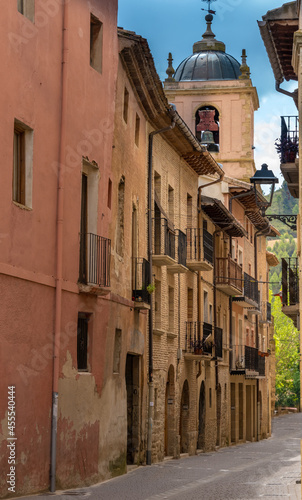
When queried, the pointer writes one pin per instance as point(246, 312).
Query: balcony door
point(84, 229)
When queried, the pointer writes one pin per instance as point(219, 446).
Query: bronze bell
point(207, 138)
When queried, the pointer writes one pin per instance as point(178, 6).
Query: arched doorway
point(201, 417)
point(170, 414)
point(218, 413)
point(184, 418)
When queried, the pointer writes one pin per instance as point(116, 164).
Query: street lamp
point(264, 176)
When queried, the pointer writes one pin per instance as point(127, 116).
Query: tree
point(287, 357)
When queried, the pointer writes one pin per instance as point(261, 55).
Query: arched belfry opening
point(207, 127)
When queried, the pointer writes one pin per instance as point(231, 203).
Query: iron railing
point(94, 260)
point(289, 138)
point(250, 289)
point(199, 248)
point(164, 238)
point(244, 357)
point(218, 336)
point(140, 280)
point(228, 272)
point(290, 281)
point(197, 337)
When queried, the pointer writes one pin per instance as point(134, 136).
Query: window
point(171, 203)
point(126, 104)
point(210, 397)
point(22, 164)
point(205, 306)
point(137, 127)
point(190, 305)
point(171, 309)
point(82, 341)
point(117, 351)
point(96, 43)
point(189, 211)
point(109, 193)
point(120, 218)
point(27, 8)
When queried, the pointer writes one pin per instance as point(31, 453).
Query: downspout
point(151, 388)
point(59, 249)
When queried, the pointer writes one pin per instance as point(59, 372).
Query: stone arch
point(184, 418)
point(201, 416)
point(170, 431)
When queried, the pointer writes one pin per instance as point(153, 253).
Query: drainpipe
point(151, 388)
point(59, 249)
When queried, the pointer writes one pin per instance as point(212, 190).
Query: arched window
point(207, 120)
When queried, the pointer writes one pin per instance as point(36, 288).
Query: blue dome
point(208, 65)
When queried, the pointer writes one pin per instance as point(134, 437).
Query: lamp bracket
point(289, 220)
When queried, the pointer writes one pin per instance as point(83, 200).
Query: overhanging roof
point(249, 204)
point(139, 66)
point(277, 31)
point(222, 217)
point(271, 259)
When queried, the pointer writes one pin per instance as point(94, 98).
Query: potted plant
point(151, 288)
point(287, 149)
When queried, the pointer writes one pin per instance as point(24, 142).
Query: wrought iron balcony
point(250, 295)
point(180, 266)
point(169, 246)
point(199, 249)
point(140, 281)
point(244, 359)
point(288, 150)
point(94, 263)
point(218, 338)
point(228, 276)
point(290, 288)
point(199, 339)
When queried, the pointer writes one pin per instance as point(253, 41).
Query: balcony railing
point(164, 238)
point(250, 289)
point(218, 337)
point(289, 138)
point(140, 280)
point(244, 358)
point(290, 282)
point(94, 260)
point(198, 337)
point(229, 273)
point(199, 246)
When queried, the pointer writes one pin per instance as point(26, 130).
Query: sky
point(174, 25)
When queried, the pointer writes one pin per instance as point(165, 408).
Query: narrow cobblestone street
point(265, 469)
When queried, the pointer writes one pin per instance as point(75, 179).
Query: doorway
point(170, 414)
point(133, 413)
point(201, 417)
point(184, 418)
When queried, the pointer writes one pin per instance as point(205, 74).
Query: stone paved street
point(266, 469)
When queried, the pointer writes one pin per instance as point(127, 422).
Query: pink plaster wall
point(31, 92)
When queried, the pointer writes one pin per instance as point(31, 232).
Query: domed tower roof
point(209, 60)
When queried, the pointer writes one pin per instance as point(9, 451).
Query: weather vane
point(209, 6)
